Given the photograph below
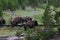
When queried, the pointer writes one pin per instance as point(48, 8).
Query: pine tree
point(47, 21)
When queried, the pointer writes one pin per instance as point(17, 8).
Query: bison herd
point(26, 21)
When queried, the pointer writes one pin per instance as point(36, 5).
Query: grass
point(7, 17)
point(9, 31)
point(29, 13)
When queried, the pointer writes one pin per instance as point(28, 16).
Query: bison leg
point(25, 28)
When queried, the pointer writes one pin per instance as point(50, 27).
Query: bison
point(30, 24)
point(2, 21)
point(16, 21)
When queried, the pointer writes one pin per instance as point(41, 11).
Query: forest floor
point(56, 37)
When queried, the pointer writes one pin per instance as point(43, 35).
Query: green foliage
point(38, 36)
point(5, 4)
point(14, 4)
point(22, 4)
point(9, 4)
point(46, 16)
point(33, 34)
point(18, 33)
point(49, 35)
point(1, 14)
point(1, 9)
point(57, 15)
point(54, 3)
point(42, 35)
point(28, 34)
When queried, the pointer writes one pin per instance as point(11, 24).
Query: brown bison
point(2, 21)
point(16, 20)
point(30, 24)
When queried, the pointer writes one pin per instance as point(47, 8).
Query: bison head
point(25, 19)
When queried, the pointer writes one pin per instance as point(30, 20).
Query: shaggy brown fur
point(25, 19)
point(2, 21)
point(30, 24)
point(16, 20)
